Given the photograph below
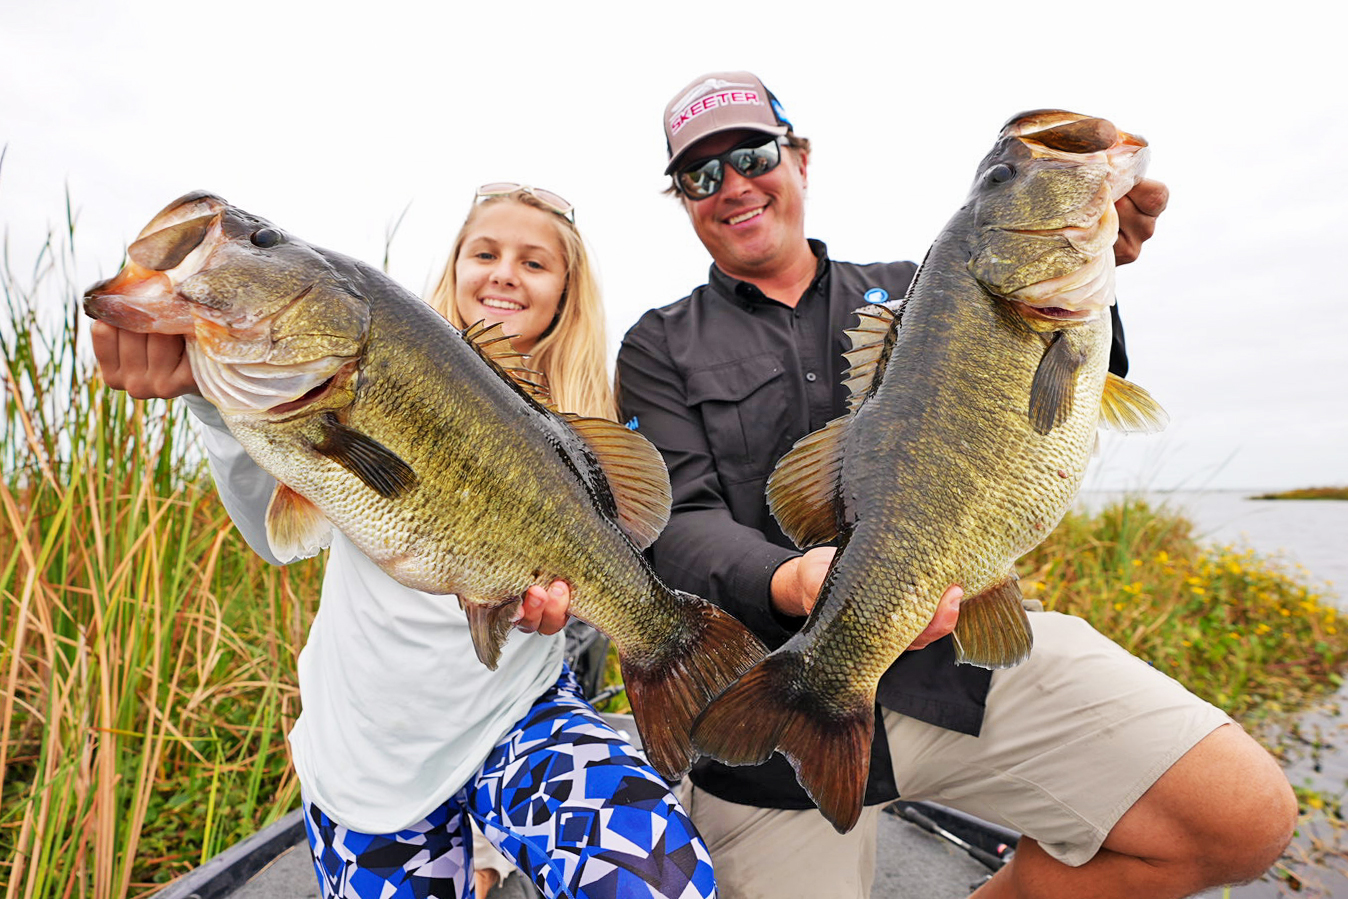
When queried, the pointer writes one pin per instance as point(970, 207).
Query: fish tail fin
point(669, 689)
point(828, 746)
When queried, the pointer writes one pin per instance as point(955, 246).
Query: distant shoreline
point(1307, 493)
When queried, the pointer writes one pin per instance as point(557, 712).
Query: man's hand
point(545, 611)
point(147, 366)
point(796, 584)
point(1138, 210)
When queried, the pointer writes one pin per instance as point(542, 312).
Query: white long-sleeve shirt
point(398, 713)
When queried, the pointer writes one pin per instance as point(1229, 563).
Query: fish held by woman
point(436, 452)
point(973, 413)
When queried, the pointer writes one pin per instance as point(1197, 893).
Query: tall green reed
point(147, 655)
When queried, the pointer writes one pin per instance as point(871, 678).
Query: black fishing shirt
point(723, 382)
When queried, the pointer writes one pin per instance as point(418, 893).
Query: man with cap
point(1123, 783)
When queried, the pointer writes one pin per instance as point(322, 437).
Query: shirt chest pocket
point(745, 407)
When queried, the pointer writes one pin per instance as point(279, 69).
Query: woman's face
point(511, 269)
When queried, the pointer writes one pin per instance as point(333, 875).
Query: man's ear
point(803, 160)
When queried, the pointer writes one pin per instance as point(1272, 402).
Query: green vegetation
point(1233, 627)
point(148, 657)
point(1308, 493)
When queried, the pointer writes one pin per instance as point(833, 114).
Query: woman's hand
point(147, 366)
point(545, 611)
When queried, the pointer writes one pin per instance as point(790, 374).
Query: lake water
point(1311, 534)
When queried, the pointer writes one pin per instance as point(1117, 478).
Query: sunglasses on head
point(546, 197)
point(703, 178)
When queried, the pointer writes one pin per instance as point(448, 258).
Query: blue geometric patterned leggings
point(563, 796)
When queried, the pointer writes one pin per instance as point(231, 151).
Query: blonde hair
point(572, 352)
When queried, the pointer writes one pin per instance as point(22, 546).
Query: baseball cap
point(716, 102)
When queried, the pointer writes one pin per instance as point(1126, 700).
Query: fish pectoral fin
point(494, 345)
point(872, 339)
point(489, 626)
point(803, 489)
point(1054, 384)
point(635, 472)
point(1126, 407)
point(296, 529)
point(381, 469)
point(992, 630)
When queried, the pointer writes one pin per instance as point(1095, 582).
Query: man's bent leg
point(1125, 782)
point(1222, 814)
point(768, 853)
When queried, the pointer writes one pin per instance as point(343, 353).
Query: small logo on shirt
point(631, 425)
point(875, 295)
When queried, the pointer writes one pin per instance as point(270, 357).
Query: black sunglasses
point(754, 157)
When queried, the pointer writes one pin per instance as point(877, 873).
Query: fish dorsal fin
point(635, 472)
point(803, 490)
point(1126, 407)
point(872, 339)
point(296, 529)
point(1054, 384)
point(992, 630)
point(381, 469)
point(489, 626)
point(495, 346)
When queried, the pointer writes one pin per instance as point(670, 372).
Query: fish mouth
point(1072, 133)
point(138, 299)
point(1054, 313)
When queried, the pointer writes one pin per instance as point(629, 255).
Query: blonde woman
point(405, 738)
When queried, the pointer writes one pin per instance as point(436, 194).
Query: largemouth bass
point(973, 413)
point(435, 452)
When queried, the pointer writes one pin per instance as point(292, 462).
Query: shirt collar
point(748, 295)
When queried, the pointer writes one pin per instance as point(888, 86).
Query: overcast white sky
point(332, 118)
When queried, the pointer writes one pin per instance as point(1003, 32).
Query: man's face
point(752, 226)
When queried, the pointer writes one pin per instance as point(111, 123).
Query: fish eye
point(1000, 173)
point(266, 237)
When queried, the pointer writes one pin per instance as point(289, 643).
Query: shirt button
point(811, 377)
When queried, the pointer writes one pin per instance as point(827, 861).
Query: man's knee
point(1254, 827)
point(1225, 810)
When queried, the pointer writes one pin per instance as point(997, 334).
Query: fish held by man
point(973, 414)
point(437, 453)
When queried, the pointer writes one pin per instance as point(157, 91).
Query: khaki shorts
point(1071, 739)
point(774, 853)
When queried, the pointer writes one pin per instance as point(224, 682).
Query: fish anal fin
point(296, 529)
point(381, 469)
point(669, 689)
point(829, 747)
point(992, 630)
point(1054, 384)
point(635, 472)
point(1126, 407)
point(872, 339)
point(494, 345)
point(803, 489)
point(489, 626)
